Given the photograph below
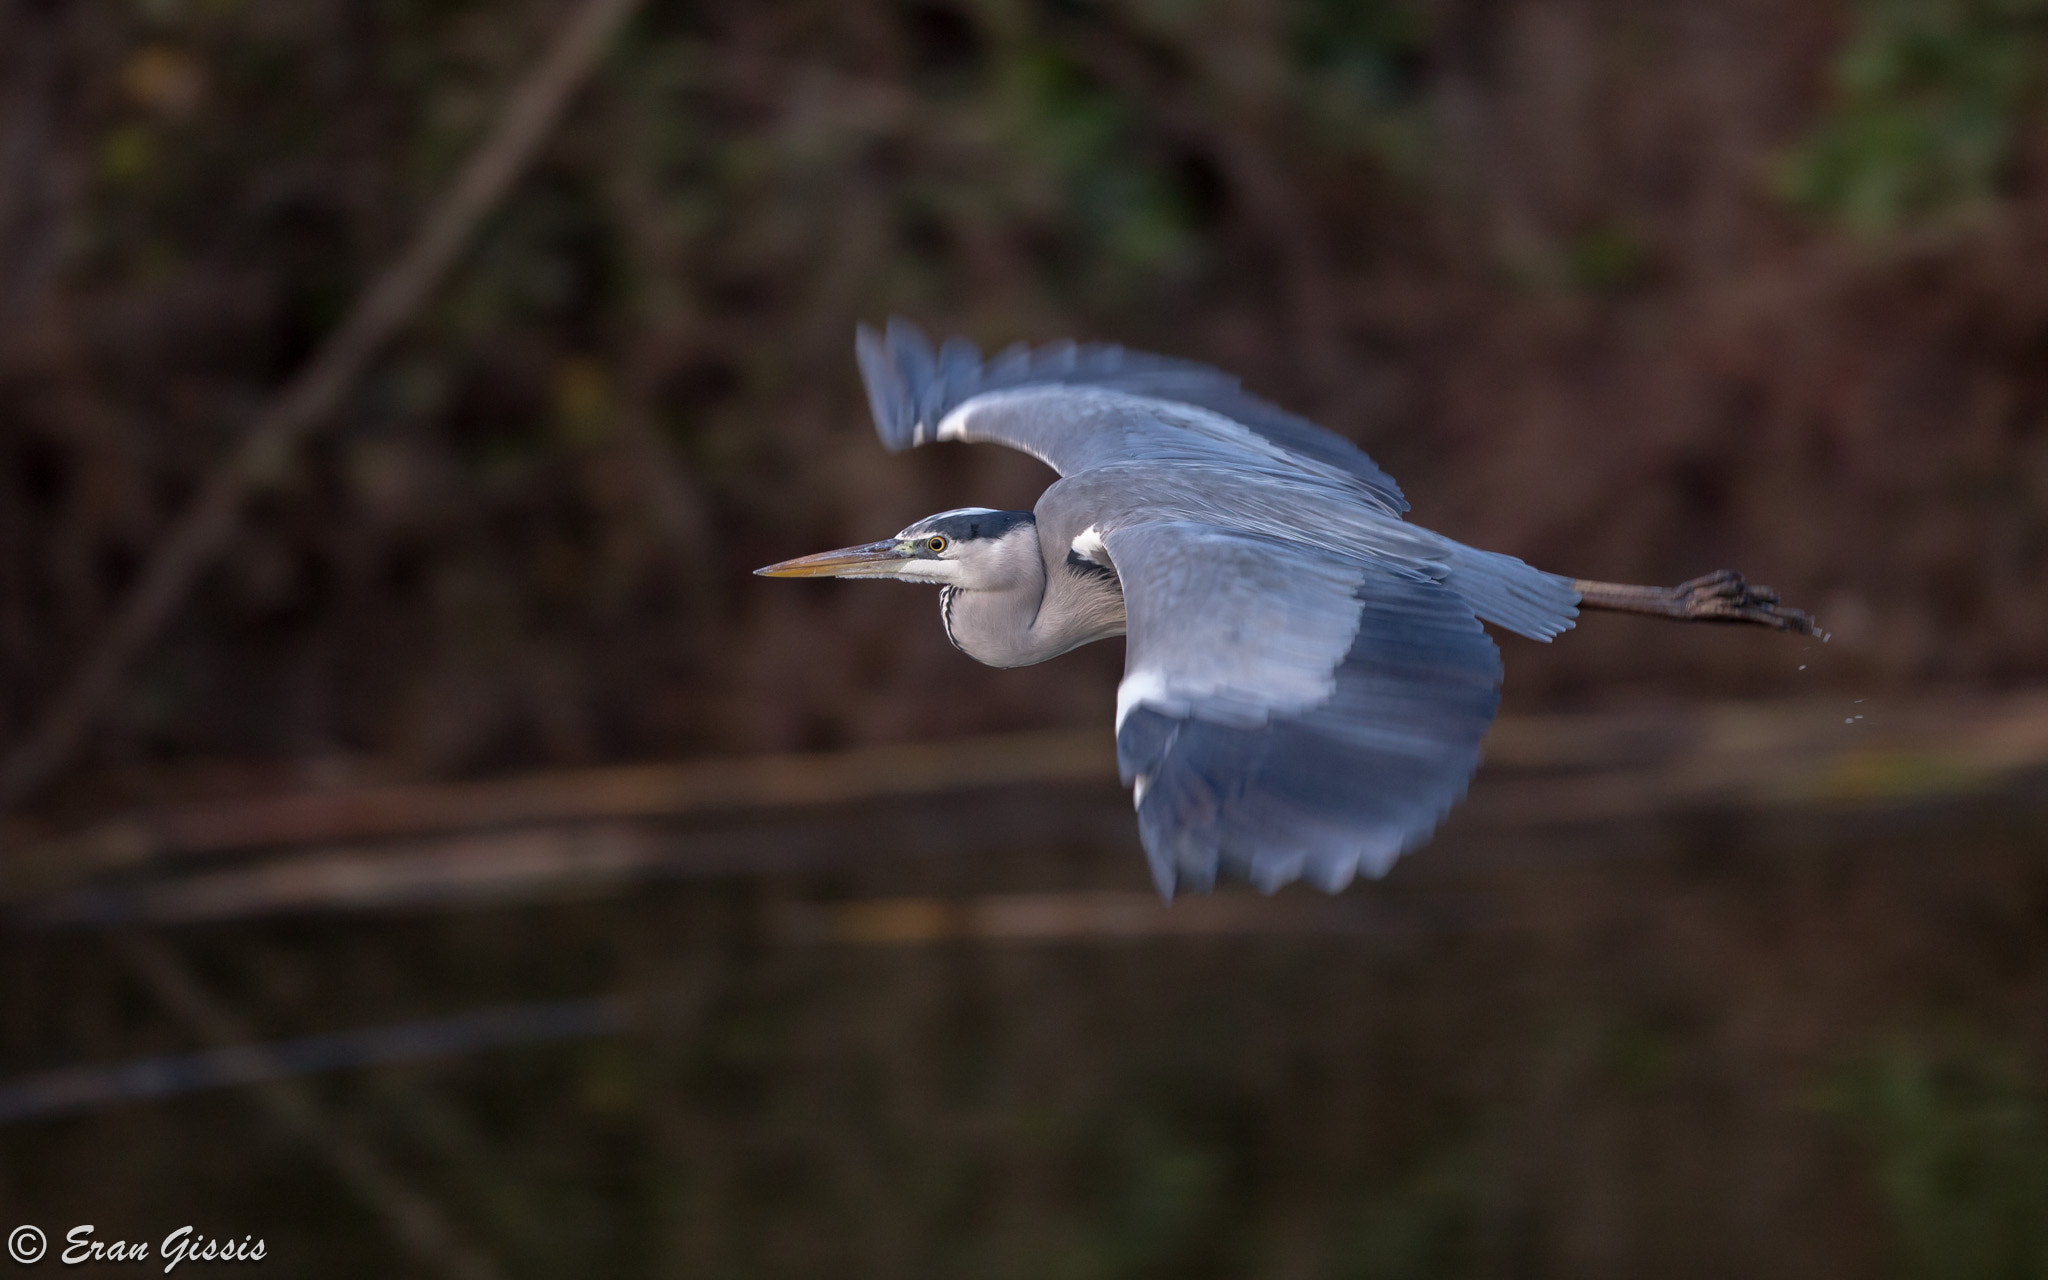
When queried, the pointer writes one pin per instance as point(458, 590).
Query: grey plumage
point(1306, 680)
point(911, 390)
point(1288, 712)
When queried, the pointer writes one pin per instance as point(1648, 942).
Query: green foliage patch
point(1958, 1136)
point(1929, 96)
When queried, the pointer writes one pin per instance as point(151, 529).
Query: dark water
point(1708, 1045)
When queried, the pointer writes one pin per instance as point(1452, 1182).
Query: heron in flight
point(1306, 678)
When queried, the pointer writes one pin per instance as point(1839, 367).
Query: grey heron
point(1306, 678)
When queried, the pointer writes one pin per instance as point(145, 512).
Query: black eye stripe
point(969, 526)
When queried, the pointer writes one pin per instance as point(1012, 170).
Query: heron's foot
point(1724, 597)
point(1717, 597)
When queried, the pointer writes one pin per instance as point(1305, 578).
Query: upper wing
point(913, 391)
point(1289, 713)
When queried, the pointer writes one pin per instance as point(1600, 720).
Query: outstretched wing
point(914, 392)
point(1288, 713)
point(1306, 681)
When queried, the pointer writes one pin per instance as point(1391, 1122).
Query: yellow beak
point(873, 560)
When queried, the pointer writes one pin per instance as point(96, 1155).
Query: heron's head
point(974, 547)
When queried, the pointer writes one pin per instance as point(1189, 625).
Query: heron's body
point(1053, 608)
point(1307, 681)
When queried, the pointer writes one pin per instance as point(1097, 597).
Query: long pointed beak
point(874, 560)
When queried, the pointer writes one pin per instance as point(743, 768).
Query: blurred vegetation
point(1930, 100)
point(1532, 255)
point(1599, 1056)
point(1361, 72)
point(1517, 255)
point(1958, 1135)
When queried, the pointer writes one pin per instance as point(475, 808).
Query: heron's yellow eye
point(936, 544)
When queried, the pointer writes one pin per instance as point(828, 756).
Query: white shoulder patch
point(1140, 688)
point(954, 425)
point(1089, 546)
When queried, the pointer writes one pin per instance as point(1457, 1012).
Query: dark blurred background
point(1630, 290)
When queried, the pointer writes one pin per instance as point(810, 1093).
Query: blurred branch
point(311, 397)
point(1083, 916)
point(419, 1227)
point(88, 1088)
point(597, 830)
point(1089, 916)
point(29, 234)
point(618, 793)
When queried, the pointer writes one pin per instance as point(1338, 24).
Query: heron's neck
point(1034, 616)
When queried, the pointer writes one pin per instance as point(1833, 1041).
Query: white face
point(933, 552)
point(929, 556)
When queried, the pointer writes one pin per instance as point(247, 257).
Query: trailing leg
point(1717, 597)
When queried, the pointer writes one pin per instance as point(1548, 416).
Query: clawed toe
point(1725, 597)
point(1719, 582)
point(1715, 597)
point(1725, 584)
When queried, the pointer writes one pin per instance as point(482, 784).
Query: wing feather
point(912, 391)
point(1288, 713)
point(1307, 680)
